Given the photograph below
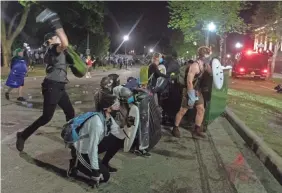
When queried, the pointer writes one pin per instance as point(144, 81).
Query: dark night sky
point(153, 26)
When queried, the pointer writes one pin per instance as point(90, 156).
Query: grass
point(261, 114)
point(37, 71)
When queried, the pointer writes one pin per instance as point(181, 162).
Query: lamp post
point(125, 38)
point(210, 28)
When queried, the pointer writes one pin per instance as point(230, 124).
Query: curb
point(271, 160)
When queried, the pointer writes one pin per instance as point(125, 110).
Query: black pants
point(109, 144)
point(53, 94)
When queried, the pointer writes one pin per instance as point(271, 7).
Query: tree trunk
point(8, 39)
point(6, 49)
point(221, 43)
point(275, 53)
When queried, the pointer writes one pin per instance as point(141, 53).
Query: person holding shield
point(191, 93)
point(53, 86)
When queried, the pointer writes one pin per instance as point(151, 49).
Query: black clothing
point(155, 73)
point(53, 93)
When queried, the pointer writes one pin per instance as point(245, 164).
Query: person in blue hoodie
point(17, 74)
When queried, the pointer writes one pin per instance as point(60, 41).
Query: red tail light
point(241, 69)
point(265, 71)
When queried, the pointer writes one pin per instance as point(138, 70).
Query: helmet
point(125, 93)
point(115, 78)
point(106, 82)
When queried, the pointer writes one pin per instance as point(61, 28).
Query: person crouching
point(104, 136)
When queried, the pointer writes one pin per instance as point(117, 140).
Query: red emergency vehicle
point(251, 64)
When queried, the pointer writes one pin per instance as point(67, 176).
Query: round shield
point(217, 72)
point(131, 131)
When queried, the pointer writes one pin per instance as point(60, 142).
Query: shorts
point(184, 102)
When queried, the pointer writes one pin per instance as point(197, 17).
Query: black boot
point(20, 142)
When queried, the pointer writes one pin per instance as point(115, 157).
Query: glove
point(192, 98)
point(96, 178)
point(130, 121)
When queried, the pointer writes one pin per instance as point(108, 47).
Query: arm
point(64, 40)
point(193, 70)
point(158, 72)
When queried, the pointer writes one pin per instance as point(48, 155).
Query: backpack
point(70, 132)
point(144, 71)
point(182, 74)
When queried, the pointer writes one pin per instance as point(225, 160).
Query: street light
point(228, 55)
point(151, 50)
point(210, 28)
point(125, 38)
point(238, 45)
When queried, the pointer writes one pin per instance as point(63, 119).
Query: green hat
point(17, 51)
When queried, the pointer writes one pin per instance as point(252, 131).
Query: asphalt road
point(260, 87)
point(219, 164)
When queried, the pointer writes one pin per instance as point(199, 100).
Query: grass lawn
point(37, 71)
point(261, 114)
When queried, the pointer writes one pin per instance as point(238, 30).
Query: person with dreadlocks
point(104, 135)
point(53, 86)
point(17, 74)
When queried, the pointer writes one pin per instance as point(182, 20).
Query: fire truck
point(253, 64)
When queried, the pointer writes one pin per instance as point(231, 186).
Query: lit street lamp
point(238, 45)
point(210, 28)
point(228, 55)
point(125, 38)
point(151, 50)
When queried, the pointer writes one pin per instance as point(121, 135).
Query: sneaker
point(111, 169)
point(20, 142)
point(143, 153)
point(7, 95)
point(175, 132)
point(21, 99)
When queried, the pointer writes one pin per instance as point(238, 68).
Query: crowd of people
point(104, 130)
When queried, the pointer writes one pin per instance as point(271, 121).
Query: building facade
point(263, 43)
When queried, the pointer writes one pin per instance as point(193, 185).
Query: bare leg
point(178, 118)
point(21, 91)
point(199, 120)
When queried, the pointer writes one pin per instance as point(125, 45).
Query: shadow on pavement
point(81, 181)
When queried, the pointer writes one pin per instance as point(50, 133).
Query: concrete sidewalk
point(219, 164)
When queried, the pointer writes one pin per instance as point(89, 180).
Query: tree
point(268, 16)
point(181, 47)
point(98, 44)
point(192, 18)
point(11, 28)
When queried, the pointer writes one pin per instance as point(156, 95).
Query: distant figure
point(17, 74)
point(89, 63)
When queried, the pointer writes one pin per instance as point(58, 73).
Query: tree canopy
point(192, 17)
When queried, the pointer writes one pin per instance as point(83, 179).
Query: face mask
point(161, 60)
point(130, 100)
point(206, 59)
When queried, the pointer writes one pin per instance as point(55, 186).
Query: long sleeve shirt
point(95, 129)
